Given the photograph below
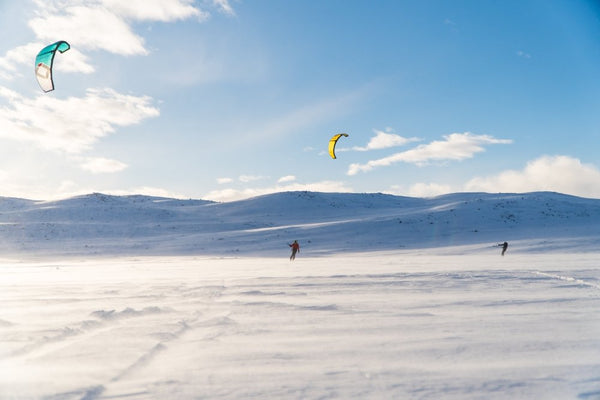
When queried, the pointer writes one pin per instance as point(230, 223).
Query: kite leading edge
point(332, 143)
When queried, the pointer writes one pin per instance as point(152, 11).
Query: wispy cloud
point(300, 117)
point(30, 187)
point(523, 54)
point(89, 27)
point(11, 65)
point(450, 23)
point(242, 178)
point(550, 173)
point(559, 173)
point(101, 165)
point(287, 178)
point(106, 25)
point(251, 178)
point(74, 124)
point(157, 10)
point(224, 181)
point(454, 147)
point(384, 140)
point(20, 55)
point(304, 115)
point(224, 6)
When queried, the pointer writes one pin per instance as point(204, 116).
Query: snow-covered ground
point(143, 298)
point(390, 325)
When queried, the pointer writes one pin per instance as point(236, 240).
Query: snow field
point(383, 325)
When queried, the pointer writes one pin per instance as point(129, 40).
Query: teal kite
point(44, 61)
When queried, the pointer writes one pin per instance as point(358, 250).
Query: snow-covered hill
point(323, 223)
point(435, 313)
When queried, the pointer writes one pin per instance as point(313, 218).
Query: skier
point(504, 247)
point(295, 249)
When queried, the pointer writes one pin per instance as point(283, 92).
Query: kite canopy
point(333, 142)
point(44, 61)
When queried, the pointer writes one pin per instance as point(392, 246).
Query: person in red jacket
point(295, 249)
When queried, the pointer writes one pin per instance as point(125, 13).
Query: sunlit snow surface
point(418, 324)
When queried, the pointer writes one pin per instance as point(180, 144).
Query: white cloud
point(74, 124)
point(287, 178)
point(35, 186)
point(75, 62)
point(9, 94)
point(99, 165)
point(89, 27)
point(456, 147)
point(235, 194)
point(224, 7)
point(303, 116)
point(223, 181)
point(25, 188)
point(96, 24)
point(20, 59)
point(155, 10)
point(20, 56)
point(522, 54)
point(106, 24)
point(562, 174)
point(384, 140)
point(251, 178)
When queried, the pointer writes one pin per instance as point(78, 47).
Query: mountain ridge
point(324, 223)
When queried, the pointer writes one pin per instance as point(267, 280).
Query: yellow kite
point(332, 143)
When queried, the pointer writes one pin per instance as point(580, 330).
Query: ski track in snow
point(572, 280)
point(371, 326)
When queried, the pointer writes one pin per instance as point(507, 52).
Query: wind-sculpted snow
point(324, 223)
point(387, 325)
point(126, 313)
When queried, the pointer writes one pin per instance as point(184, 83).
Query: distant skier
point(504, 247)
point(295, 249)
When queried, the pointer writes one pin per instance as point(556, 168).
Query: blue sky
point(227, 99)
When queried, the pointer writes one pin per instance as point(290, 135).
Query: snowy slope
point(182, 319)
point(324, 223)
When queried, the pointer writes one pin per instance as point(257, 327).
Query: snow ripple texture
point(404, 325)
